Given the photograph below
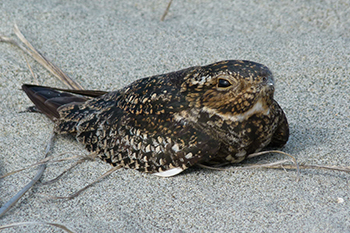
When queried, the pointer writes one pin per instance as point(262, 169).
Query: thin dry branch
point(31, 71)
point(267, 165)
point(77, 193)
point(314, 166)
point(36, 55)
point(63, 227)
point(7, 206)
point(46, 161)
point(166, 10)
point(65, 171)
point(279, 152)
point(279, 165)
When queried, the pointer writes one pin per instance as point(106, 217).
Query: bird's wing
point(49, 99)
point(154, 143)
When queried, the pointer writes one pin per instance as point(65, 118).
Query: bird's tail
point(48, 99)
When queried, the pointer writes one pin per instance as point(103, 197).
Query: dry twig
point(36, 223)
point(166, 10)
point(46, 161)
point(89, 157)
point(74, 195)
point(279, 165)
point(6, 207)
point(36, 55)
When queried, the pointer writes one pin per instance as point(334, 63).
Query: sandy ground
point(108, 44)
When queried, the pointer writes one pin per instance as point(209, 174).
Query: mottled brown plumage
point(164, 124)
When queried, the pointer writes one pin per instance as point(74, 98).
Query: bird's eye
point(223, 83)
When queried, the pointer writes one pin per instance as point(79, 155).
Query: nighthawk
point(164, 124)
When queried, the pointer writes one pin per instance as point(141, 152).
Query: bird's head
point(233, 88)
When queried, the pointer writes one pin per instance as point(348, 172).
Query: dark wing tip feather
point(48, 100)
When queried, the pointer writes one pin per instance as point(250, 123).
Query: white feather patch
point(257, 108)
point(170, 172)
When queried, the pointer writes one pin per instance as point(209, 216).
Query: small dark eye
point(223, 83)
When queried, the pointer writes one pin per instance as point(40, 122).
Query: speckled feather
point(164, 124)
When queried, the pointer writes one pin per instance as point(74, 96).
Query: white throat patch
point(257, 108)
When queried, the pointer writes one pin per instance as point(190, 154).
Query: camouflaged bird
point(164, 124)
